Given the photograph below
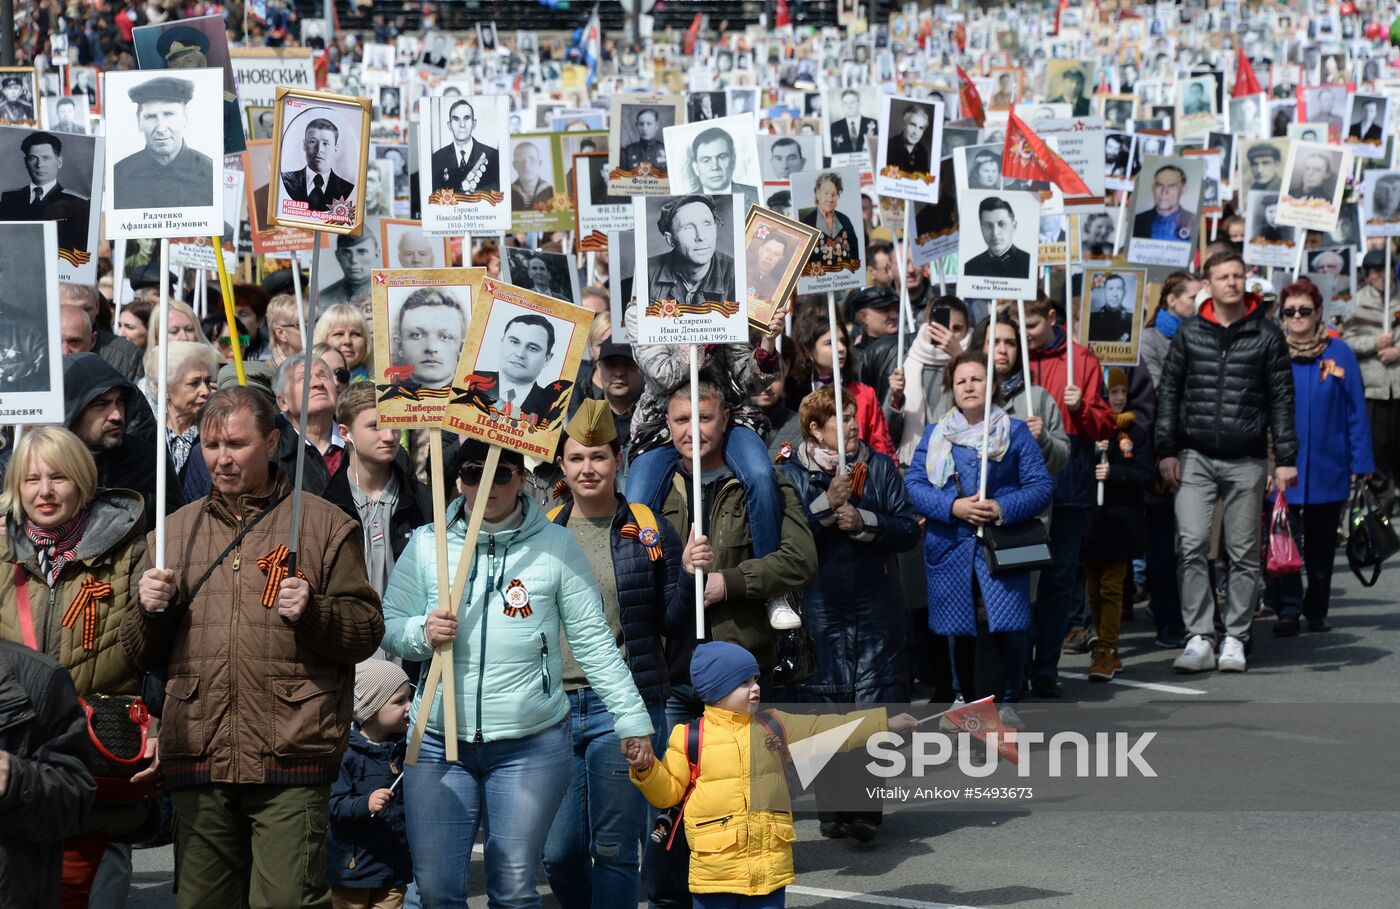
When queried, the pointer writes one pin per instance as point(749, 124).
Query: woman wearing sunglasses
point(528, 577)
point(1334, 448)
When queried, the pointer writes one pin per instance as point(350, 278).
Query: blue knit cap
point(718, 667)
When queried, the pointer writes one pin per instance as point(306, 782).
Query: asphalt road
point(1198, 855)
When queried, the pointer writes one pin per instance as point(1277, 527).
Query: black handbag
point(118, 727)
point(1370, 537)
point(796, 651)
point(1023, 546)
point(1018, 547)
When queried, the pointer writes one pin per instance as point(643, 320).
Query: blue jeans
point(591, 856)
point(649, 482)
point(515, 785)
point(1058, 588)
point(774, 900)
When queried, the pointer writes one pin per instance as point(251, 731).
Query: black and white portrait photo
point(462, 149)
point(998, 243)
point(1325, 104)
point(1246, 116)
point(390, 106)
point(322, 154)
point(1381, 200)
point(780, 157)
point(45, 176)
point(1117, 159)
point(1367, 117)
point(19, 96)
point(1070, 82)
point(1195, 113)
point(1266, 242)
point(636, 150)
point(31, 384)
point(1096, 235)
point(405, 245)
point(851, 117)
point(700, 106)
point(978, 166)
point(1165, 206)
point(66, 114)
point(532, 173)
point(1114, 320)
point(716, 157)
point(1314, 178)
point(436, 50)
point(1118, 111)
point(164, 135)
point(597, 209)
point(379, 189)
point(546, 273)
point(910, 147)
point(427, 328)
point(694, 254)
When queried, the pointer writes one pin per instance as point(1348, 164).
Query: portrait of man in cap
point(693, 269)
point(167, 173)
point(317, 184)
point(195, 44)
point(466, 165)
point(44, 198)
point(16, 99)
point(1265, 166)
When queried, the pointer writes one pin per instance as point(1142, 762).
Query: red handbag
point(1283, 557)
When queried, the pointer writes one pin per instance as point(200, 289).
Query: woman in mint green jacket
point(529, 576)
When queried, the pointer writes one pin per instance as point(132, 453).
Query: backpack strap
point(644, 529)
point(694, 745)
point(776, 740)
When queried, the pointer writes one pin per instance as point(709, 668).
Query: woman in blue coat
point(853, 609)
point(1334, 448)
point(966, 601)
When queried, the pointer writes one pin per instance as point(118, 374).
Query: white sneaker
point(781, 616)
point(1010, 718)
point(1232, 655)
point(1199, 655)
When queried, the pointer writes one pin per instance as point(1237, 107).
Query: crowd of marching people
point(868, 467)
point(1239, 399)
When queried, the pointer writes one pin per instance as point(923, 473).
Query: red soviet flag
point(980, 718)
point(971, 101)
point(1027, 157)
point(1246, 83)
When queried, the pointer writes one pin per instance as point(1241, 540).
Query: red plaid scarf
point(58, 546)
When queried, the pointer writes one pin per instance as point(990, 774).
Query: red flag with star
point(1246, 83)
point(1026, 157)
point(971, 100)
point(980, 718)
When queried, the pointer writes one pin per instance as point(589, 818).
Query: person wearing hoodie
point(531, 587)
point(858, 515)
point(1087, 420)
point(72, 555)
point(1334, 449)
point(98, 405)
point(1226, 394)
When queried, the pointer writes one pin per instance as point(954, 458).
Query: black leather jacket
point(1226, 390)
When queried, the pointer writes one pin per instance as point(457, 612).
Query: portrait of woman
point(838, 243)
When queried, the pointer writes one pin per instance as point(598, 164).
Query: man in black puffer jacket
point(1225, 398)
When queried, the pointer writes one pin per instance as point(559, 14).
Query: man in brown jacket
point(261, 667)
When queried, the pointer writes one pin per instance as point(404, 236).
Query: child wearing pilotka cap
point(367, 860)
point(741, 851)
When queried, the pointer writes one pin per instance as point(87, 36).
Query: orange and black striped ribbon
point(561, 489)
point(630, 531)
point(859, 474)
point(657, 309)
point(85, 605)
point(274, 565)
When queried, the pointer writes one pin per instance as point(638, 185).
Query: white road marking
point(871, 899)
point(1150, 686)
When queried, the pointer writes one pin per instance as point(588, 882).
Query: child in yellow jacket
point(740, 832)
